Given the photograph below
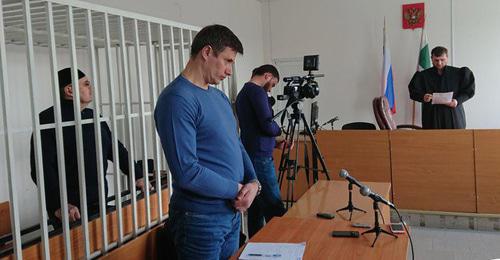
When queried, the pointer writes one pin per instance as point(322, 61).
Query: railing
point(125, 88)
point(5, 240)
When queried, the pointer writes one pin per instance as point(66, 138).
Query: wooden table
point(300, 224)
point(320, 245)
point(328, 196)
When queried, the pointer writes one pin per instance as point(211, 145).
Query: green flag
point(424, 57)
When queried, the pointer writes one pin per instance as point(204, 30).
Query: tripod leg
point(285, 157)
point(306, 162)
point(388, 233)
point(375, 240)
point(373, 230)
point(342, 209)
point(358, 209)
point(315, 148)
point(291, 168)
point(295, 170)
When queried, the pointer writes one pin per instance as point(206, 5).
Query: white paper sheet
point(442, 98)
point(275, 251)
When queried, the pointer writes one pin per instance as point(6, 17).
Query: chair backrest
point(386, 109)
point(383, 113)
point(378, 113)
point(359, 126)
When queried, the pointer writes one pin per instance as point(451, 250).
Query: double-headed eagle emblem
point(412, 16)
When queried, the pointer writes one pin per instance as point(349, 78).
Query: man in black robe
point(441, 79)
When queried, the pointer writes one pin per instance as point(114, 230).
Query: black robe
point(458, 80)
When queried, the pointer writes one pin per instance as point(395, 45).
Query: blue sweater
point(198, 133)
point(256, 120)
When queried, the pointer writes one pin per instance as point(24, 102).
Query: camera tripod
point(290, 168)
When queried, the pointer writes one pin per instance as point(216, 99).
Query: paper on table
point(292, 251)
point(442, 98)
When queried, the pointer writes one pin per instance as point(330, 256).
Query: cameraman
point(258, 132)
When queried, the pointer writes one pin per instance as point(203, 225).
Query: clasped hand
point(245, 197)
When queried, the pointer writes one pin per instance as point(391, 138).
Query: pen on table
point(266, 255)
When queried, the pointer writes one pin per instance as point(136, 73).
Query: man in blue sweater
point(258, 132)
point(213, 177)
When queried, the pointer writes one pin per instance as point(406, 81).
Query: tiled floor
point(454, 244)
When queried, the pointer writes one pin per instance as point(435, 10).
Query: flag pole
point(418, 64)
point(383, 83)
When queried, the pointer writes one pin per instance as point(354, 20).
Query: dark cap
point(64, 76)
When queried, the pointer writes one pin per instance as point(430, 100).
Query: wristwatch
point(259, 187)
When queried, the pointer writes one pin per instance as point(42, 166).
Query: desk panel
point(487, 148)
point(364, 153)
point(433, 170)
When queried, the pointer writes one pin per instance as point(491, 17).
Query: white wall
point(243, 17)
point(348, 37)
point(477, 42)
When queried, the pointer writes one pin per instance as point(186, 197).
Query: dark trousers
point(268, 204)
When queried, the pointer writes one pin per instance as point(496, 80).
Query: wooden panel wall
point(364, 153)
point(4, 218)
point(433, 170)
point(440, 170)
point(56, 243)
point(142, 247)
point(487, 147)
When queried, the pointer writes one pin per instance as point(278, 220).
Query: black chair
point(359, 126)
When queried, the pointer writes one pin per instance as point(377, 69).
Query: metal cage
point(129, 58)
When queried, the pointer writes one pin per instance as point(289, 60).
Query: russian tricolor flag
point(387, 79)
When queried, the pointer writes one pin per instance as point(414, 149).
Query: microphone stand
point(350, 206)
point(331, 121)
point(377, 229)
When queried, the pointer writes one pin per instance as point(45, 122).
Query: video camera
point(300, 87)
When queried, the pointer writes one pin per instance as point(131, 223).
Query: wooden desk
point(320, 245)
point(328, 196)
point(300, 224)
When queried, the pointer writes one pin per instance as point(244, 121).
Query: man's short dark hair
point(268, 68)
point(439, 51)
point(218, 37)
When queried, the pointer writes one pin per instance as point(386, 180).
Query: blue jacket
point(258, 129)
point(198, 133)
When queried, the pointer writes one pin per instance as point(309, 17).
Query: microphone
point(330, 121)
point(344, 174)
point(365, 191)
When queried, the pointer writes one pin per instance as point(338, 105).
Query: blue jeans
point(204, 236)
point(268, 204)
